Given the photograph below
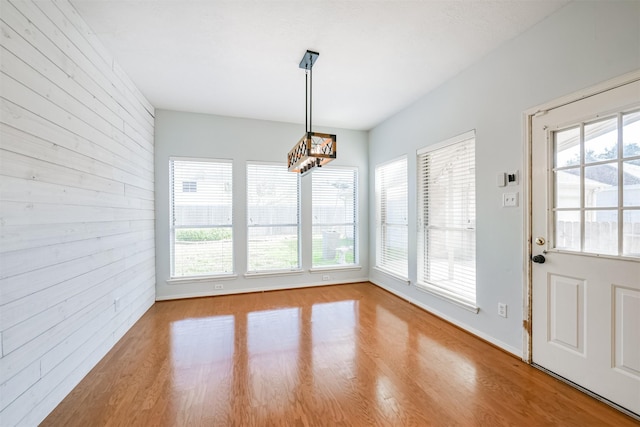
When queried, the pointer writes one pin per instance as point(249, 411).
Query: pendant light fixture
point(314, 149)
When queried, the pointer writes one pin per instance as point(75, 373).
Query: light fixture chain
point(306, 101)
point(311, 99)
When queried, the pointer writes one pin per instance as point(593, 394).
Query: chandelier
point(314, 149)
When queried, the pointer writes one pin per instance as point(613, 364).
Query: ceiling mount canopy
point(308, 60)
point(314, 149)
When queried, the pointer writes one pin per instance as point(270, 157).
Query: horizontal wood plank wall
point(76, 205)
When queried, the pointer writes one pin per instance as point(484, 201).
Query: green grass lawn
point(194, 258)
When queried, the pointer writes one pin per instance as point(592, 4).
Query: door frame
point(527, 208)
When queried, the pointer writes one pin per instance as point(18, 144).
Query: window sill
point(335, 268)
point(197, 279)
point(393, 275)
point(442, 295)
point(258, 274)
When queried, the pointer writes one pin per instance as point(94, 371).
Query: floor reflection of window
point(334, 343)
point(391, 345)
point(201, 341)
point(386, 394)
point(273, 341)
point(202, 350)
point(446, 366)
point(392, 331)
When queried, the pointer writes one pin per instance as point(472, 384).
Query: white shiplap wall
point(77, 262)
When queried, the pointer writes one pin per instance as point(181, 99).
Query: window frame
point(355, 225)
point(265, 272)
point(381, 224)
point(585, 209)
point(172, 228)
point(439, 290)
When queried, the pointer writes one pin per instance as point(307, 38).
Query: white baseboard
point(209, 293)
point(506, 347)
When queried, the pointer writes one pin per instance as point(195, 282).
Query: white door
point(586, 226)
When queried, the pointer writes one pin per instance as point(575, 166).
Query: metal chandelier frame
point(314, 149)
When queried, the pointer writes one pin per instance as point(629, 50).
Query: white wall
point(76, 206)
point(199, 135)
point(581, 45)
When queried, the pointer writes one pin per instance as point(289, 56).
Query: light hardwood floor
point(346, 355)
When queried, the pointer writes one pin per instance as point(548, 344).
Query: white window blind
point(335, 226)
point(447, 219)
point(391, 217)
point(201, 217)
point(273, 218)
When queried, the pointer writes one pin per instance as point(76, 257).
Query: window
point(447, 219)
point(597, 186)
point(201, 221)
point(273, 218)
point(391, 217)
point(335, 226)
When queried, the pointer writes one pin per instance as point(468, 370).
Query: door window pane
point(601, 185)
point(567, 147)
point(631, 134)
point(568, 188)
point(601, 140)
point(631, 183)
point(601, 232)
point(568, 230)
point(631, 233)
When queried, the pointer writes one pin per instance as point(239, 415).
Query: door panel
point(566, 312)
point(586, 210)
point(627, 327)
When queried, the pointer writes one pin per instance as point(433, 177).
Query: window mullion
point(620, 187)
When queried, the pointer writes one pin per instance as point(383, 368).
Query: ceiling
point(240, 58)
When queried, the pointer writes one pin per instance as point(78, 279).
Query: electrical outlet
point(116, 304)
point(219, 286)
point(325, 277)
point(509, 200)
point(502, 309)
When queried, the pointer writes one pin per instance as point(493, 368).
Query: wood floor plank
point(344, 355)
